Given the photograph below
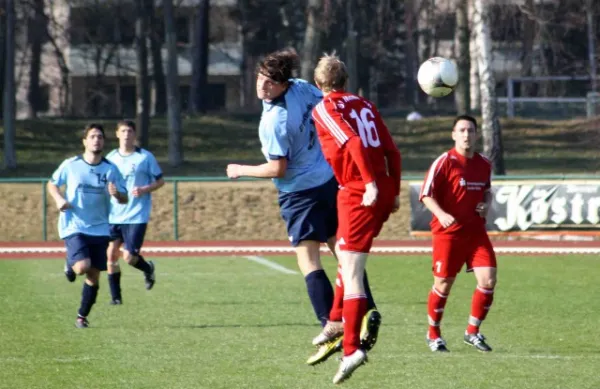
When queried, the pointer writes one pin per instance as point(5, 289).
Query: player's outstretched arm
point(273, 169)
point(58, 198)
point(446, 220)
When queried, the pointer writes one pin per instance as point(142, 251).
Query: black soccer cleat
point(477, 340)
point(116, 302)
point(81, 322)
point(370, 329)
point(69, 273)
point(437, 345)
point(150, 277)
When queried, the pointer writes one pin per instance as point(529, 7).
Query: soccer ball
point(437, 76)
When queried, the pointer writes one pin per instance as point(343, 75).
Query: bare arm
point(138, 191)
point(432, 205)
point(483, 207)
point(273, 169)
point(58, 198)
point(121, 197)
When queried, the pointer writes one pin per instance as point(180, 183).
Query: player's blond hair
point(331, 73)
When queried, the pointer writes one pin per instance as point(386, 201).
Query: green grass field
point(229, 323)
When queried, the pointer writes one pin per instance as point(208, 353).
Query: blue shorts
point(81, 246)
point(132, 236)
point(310, 214)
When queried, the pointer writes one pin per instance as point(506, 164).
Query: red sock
point(338, 297)
point(355, 308)
point(480, 306)
point(435, 310)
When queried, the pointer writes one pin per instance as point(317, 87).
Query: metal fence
point(176, 180)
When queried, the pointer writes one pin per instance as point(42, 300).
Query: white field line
point(271, 264)
point(282, 249)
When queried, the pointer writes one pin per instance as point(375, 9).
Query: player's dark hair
point(93, 126)
point(126, 123)
point(465, 117)
point(279, 66)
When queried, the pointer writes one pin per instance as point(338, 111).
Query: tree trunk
point(200, 52)
point(312, 39)
point(351, 48)
point(36, 27)
point(490, 126)
point(2, 55)
point(158, 74)
point(173, 105)
point(474, 81)
point(528, 42)
point(411, 53)
point(461, 38)
point(10, 156)
point(142, 86)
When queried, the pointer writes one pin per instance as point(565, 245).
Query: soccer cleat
point(81, 322)
point(150, 277)
point(331, 331)
point(369, 329)
point(348, 365)
point(69, 273)
point(324, 351)
point(116, 302)
point(437, 345)
point(477, 340)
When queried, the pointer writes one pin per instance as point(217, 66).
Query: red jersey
point(355, 141)
point(458, 184)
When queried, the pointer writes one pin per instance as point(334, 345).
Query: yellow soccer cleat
point(325, 350)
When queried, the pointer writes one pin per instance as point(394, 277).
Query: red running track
point(26, 250)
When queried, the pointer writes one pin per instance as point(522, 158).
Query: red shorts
point(451, 252)
point(359, 225)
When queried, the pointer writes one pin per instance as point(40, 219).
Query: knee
point(130, 258)
point(443, 285)
point(82, 267)
point(488, 282)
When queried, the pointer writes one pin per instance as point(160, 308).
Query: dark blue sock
point(320, 292)
point(88, 298)
point(370, 300)
point(142, 265)
point(114, 282)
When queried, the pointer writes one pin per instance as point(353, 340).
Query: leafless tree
point(462, 96)
point(9, 112)
point(158, 74)
point(490, 127)
point(352, 46)
point(142, 79)
point(200, 52)
point(474, 80)
point(173, 104)
point(37, 30)
point(313, 37)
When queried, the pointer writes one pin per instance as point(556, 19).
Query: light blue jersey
point(138, 169)
point(287, 130)
point(87, 192)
